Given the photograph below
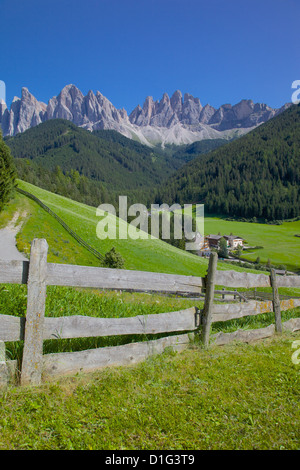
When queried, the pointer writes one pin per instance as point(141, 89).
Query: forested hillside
point(257, 175)
point(107, 157)
point(185, 153)
point(96, 167)
point(88, 167)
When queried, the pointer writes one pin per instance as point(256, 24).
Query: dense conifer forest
point(96, 167)
point(119, 162)
point(257, 175)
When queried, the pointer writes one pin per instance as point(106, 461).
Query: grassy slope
point(280, 244)
point(39, 224)
point(145, 255)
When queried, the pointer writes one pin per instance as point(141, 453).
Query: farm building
point(233, 241)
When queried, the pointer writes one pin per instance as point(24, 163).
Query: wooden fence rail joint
point(198, 317)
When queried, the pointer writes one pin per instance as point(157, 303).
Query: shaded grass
point(230, 397)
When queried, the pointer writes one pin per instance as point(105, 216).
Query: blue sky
point(220, 51)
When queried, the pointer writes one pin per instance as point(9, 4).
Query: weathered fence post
point(209, 297)
point(276, 302)
point(36, 295)
point(3, 366)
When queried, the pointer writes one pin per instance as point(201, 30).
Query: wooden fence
point(35, 328)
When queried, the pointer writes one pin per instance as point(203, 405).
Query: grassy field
point(232, 397)
point(279, 242)
point(235, 397)
point(146, 255)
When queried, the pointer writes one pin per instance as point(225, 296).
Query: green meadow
point(278, 241)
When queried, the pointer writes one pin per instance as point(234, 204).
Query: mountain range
point(176, 120)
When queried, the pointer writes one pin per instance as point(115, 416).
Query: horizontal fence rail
point(35, 328)
point(93, 359)
point(58, 364)
point(247, 336)
point(16, 272)
point(80, 326)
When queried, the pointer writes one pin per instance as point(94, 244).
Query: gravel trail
point(8, 249)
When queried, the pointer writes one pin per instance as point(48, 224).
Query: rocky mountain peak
point(25, 112)
point(165, 98)
point(169, 120)
point(176, 102)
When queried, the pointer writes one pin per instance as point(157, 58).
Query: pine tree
point(7, 173)
point(223, 250)
point(239, 251)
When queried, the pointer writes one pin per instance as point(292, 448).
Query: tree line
point(7, 174)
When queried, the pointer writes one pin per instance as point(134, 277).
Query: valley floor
point(278, 242)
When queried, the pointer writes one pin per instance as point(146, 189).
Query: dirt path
point(8, 249)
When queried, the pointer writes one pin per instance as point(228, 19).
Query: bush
point(113, 259)
point(282, 267)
